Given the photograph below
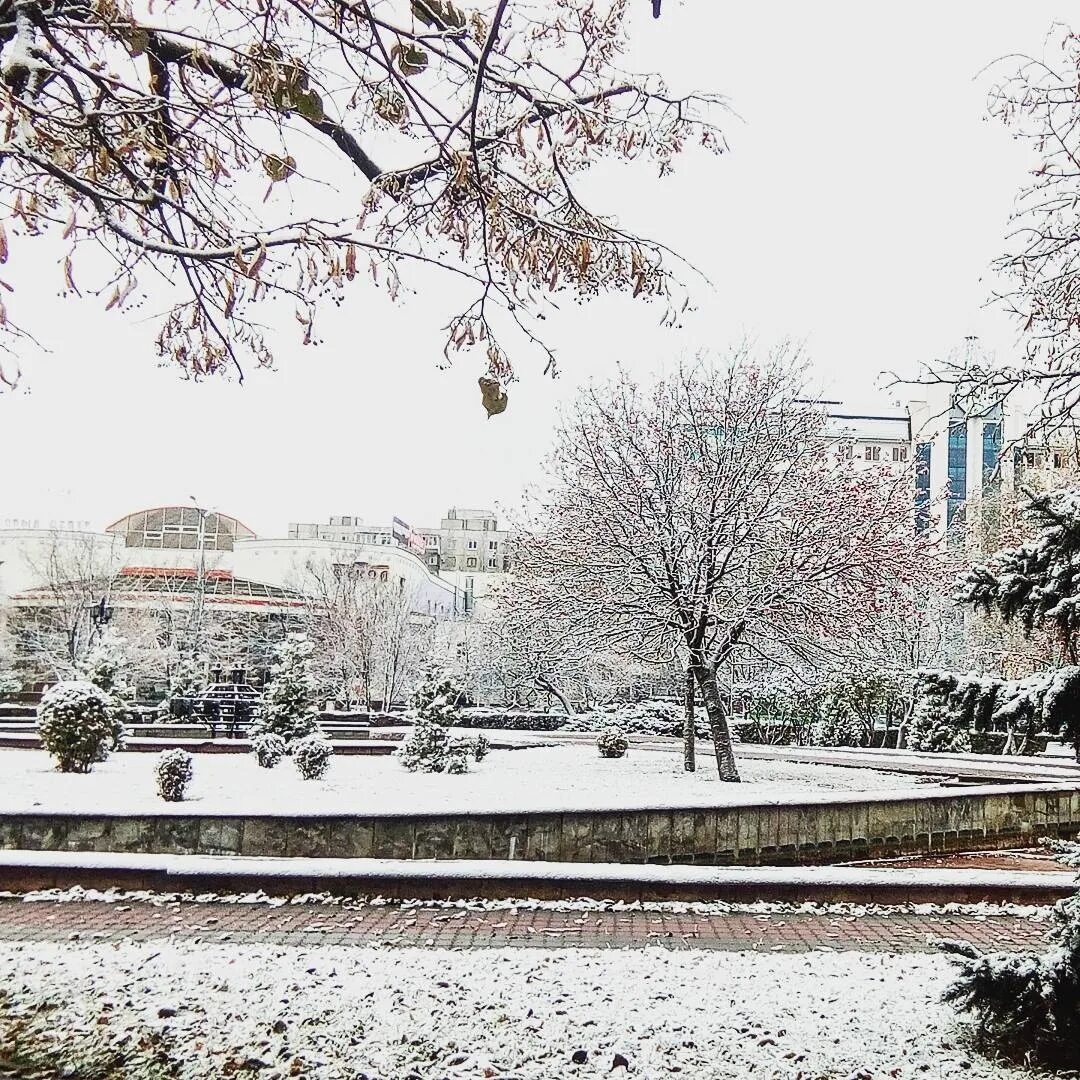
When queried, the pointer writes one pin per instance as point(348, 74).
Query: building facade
point(467, 551)
point(967, 453)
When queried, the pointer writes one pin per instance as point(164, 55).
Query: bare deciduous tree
point(53, 627)
point(1039, 101)
point(260, 157)
point(707, 516)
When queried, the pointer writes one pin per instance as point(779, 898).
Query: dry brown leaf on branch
point(493, 395)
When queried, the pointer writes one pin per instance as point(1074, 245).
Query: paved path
point(316, 924)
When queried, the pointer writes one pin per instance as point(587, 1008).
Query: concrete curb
point(22, 871)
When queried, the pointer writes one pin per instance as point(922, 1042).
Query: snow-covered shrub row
point(10, 684)
point(612, 743)
point(949, 706)
point(483, 717)
point(635, 718)
point(312, 755)
point(268, 749)
point(173, 771)
point(78, 725)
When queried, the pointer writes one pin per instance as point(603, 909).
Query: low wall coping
point(825, 798)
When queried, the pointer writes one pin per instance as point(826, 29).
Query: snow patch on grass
point(332, 1013)
point(543, 779)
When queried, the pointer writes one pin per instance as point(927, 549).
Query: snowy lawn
point(548, 778)
point(142, 1011)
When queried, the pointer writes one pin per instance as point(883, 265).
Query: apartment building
point(467, 549)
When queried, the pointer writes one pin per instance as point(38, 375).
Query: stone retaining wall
point(823, 831)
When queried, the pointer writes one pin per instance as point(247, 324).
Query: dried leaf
point(410, 59)
point(309, 105)
point(493, 396)
point(137, 40)
point(4, 244)
point(279, 168)
point(68, 278)
point(440, 14)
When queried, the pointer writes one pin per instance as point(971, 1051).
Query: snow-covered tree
point(1027, 1004)
point(429, 746)
point(270, 163)
point(54, 630)
point(107, 666)
point(1038, 99)
point(288, 704)
point(708, 517)
point(1036, 584)
point(949, 706)
point(437, 697)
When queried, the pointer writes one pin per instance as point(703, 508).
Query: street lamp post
point(200, 580)
point(100, 615)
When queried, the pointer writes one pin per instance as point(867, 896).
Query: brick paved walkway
point(448, 928)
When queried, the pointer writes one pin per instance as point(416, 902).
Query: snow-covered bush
point(612, 743)
point(10, 684)
point(429, 746)
point(78, 725)
point(837, 729)
point(288, 705)
point(950, 706)
point(312, 755)
point(268, 749)
point(1027, 1005)
point(173, 771)
point(481, 747)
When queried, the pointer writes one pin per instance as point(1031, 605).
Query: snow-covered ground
point(206, 1011)
point(547, 778)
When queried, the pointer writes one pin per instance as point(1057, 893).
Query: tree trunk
point(705, 674)
point(550, 688)
point(689, 764)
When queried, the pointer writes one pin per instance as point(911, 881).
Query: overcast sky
point(858, 210)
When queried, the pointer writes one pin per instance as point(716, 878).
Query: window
point(922, 489)
point(470, 562)
point(472, 545)
point(991, 453)
point(493, 545)
point(1030, 460)
point(492, 563)
point(1059, 459)
point(845, 452)
point(872, 453)
point(957, 469)
point(899, 453)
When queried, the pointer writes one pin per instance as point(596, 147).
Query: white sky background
point(858, 210)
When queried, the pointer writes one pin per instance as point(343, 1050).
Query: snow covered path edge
point(494, 878)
